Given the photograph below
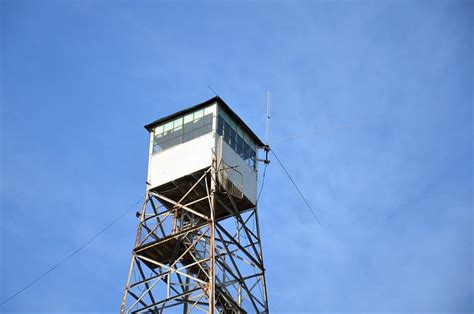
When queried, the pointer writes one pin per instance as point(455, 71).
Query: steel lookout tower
point(198, 246)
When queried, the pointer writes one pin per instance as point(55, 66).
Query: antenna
point(266, 148)
point(267, 126)
point(213, 90)
point(266, 161)
point(201, 207)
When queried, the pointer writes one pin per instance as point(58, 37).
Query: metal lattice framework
point(197, 249)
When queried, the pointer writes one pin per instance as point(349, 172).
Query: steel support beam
point(185, 257)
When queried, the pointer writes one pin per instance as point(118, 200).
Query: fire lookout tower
point(198, 247)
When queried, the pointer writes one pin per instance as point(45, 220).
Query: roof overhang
point(206, 103)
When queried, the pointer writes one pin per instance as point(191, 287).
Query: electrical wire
point(253, 230)
point(263, 182)
point(296, 187)
point(313, 132)
point(65, 259)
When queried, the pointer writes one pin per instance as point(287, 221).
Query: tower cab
point(186, 144)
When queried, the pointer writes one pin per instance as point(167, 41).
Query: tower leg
point(196, 251)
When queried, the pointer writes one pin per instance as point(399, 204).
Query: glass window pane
point(239, 146)
point(224, 115)
point(232, 139)
point(176, 140)
point(187, 137)
point(178, 128)
point(220, 125)
point(198, 114)
point(246, 151)
point(197, 123)
point(166, 136)
point(252, 144)
point(239, 150)
point(171, 135)
point(232, 124)
point(159, 129)
point(157, 140)
point(240, 141)
point(226, 129)
point(246, 138)
point(227, 133)
point(209, 110)
point(178, 122)
point(188, 118)
point(207, 128)
point(177, 132)
point(188, 127)
point(207, 119)
point(168, 126)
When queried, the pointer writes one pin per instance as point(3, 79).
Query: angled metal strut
point(196, 250)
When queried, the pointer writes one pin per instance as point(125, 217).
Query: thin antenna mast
point(267, 129)
point(213, 90)
point(266, 161)
point(267, 118)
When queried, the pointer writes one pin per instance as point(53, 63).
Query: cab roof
point(206, 103)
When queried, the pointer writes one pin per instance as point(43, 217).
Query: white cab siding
point(169, 163)
point(249, 175)
point(183, 159)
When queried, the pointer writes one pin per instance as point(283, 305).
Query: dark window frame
point(180, 134)
point(236, 142)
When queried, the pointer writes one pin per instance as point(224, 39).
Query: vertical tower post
point(198, 247)
point(201, 265)
point(212, 298)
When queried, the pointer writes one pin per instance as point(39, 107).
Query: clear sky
point(79, 79)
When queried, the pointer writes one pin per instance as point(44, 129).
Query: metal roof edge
point(221, 102)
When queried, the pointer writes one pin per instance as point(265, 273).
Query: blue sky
point(79, 79)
